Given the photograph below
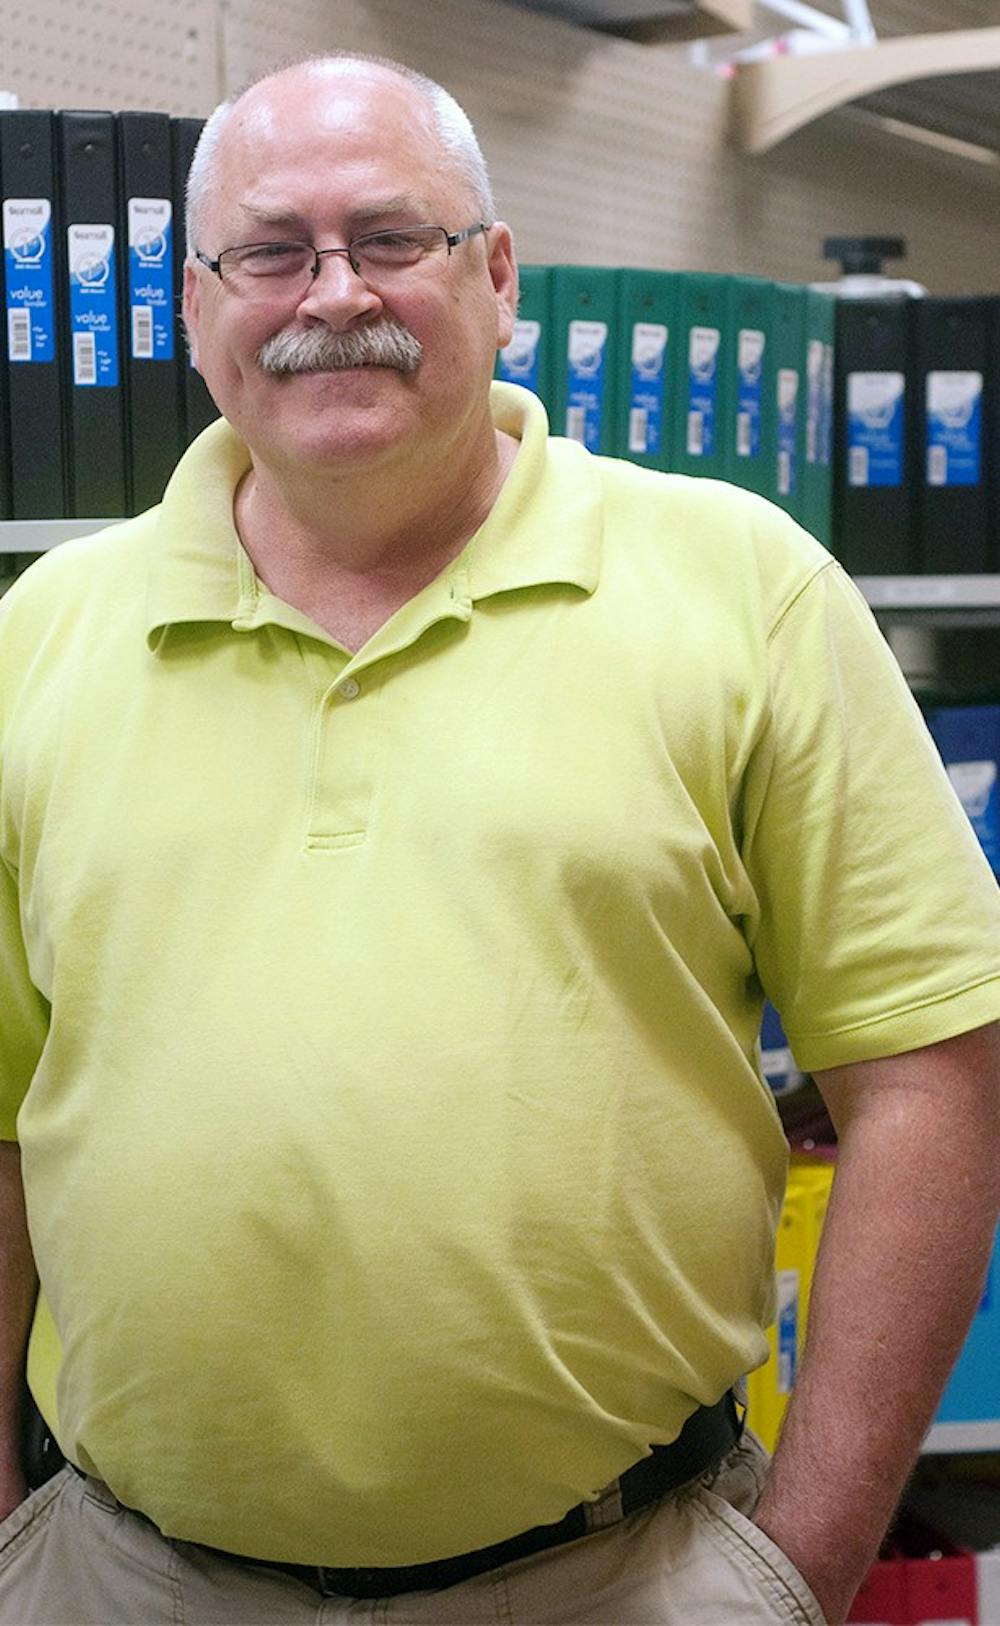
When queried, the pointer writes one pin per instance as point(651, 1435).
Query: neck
point(368, 520)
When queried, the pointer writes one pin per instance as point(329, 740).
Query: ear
point(503, 273)
point(191, 308)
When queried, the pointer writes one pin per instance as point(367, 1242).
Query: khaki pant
point(72, 1556)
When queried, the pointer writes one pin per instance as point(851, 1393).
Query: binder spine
point(874, 509)
point(955, 388)
point(526, 360)
point(91, 270)
point(646, 322)
point(586, 306)
point(145, 230)
point(789, 393)
point(750, 451)
point(817, 468)
point(704, 393)
point(33, 317)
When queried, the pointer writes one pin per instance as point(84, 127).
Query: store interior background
point(602, 151)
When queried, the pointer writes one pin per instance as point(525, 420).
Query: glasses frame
point(452, 240)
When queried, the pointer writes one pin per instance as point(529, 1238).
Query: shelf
point(38, 535)
point(931, 592)
point(944, 1437)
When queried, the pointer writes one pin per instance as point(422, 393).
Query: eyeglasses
point(283, 270)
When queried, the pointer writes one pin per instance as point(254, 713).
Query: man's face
point(324, 157)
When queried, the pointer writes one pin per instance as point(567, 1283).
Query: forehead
point(310, 141)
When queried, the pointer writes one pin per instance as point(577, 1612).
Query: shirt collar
point(545, 526)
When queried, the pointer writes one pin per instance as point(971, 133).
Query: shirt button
point(349, 689)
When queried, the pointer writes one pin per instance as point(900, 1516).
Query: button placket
point(343, 765)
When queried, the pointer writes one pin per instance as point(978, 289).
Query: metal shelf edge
point(38, 535)
point(982, 1436)
point(930, 592)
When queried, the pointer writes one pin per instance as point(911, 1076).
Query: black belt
point(708, 1435)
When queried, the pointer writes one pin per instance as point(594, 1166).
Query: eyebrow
point(366, 215)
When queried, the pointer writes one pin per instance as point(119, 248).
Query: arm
point(899, 1276)
point(18, 1290)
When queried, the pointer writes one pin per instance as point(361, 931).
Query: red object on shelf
point(882, 1598)
point(942, 1589)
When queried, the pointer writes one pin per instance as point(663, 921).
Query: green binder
point(789, 331)
point(646, 395)
point(750, 452)
point(704, 393)
point(585, 329)
point(817, 469)
point(527, 360)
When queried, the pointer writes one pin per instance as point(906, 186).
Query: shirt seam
point(786, 608)
point(817, 1035)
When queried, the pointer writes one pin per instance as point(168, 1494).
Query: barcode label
point(784, 474)
point(857, 468)
point(84, 359)
point(937, 465)
point(142, 332)
point(696, 434)
point(638, 429)
point(576, 424)
point(19, 335)
point(743, 434)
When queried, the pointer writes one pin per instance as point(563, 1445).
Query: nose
point(336, 294)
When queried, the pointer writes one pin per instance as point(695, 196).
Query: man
point(399, 827)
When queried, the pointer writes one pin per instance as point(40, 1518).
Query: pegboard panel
point(602, 151)
point(112, 53)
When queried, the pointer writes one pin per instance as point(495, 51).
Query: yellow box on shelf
point(796, 1246)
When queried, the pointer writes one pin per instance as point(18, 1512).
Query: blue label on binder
point(93, 310)
point(150, 279)
point(27, 243)
point(788, 1329)
point(968, 738)
point(977, 785)
point(826, 410)
point(749, 386)
point(788, 409)
point(703, 371)
point(776, 1059)
point(814, 399)
point(875, 429)
point(519, 360)
point(585, 408)
point(649, 365)
point(954, 429)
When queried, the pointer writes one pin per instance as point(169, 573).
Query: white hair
point(451, 124)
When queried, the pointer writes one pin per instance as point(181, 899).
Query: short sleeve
point(879, 920)
point(24, 1013)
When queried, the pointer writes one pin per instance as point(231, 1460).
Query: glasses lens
point(388, 251)
point(264, 269)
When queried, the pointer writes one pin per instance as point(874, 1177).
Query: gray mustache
point(384, 343)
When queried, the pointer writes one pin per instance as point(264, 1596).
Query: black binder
point(33, 321)
point(198, 409)
point(5, 494)
point(145, 232)
point(91, 258)
point(874, 474)
point(956, 392)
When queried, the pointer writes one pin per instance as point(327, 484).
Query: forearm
point(18, 1290)
point(899, 1276)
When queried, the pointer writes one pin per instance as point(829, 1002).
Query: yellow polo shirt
point(379, 1029)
